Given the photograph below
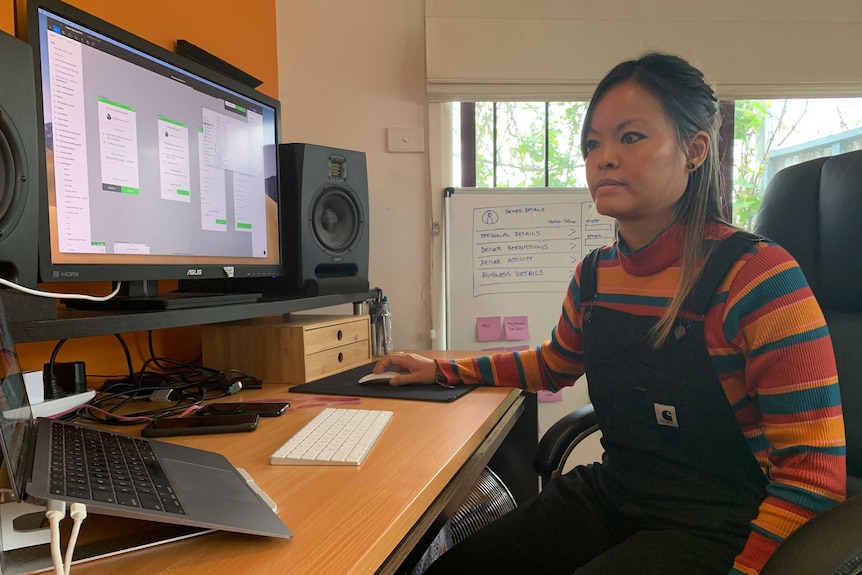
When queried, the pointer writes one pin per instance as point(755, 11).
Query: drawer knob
point(340, 357)
point(340, 335)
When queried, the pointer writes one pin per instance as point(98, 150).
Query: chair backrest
point(814, 210)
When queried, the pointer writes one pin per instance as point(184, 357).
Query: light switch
point(406, 139)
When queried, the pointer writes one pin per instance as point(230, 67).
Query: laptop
point(204, 489)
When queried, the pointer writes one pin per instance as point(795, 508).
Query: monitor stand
point(144, 296)
point(101, 536)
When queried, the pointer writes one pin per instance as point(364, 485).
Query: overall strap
point(588, 276)
point(715, 268)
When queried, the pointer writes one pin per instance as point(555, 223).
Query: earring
point(690, 166)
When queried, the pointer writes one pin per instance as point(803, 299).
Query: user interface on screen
point(148, 163)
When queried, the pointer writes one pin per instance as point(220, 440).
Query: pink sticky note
point(488, 329)
point(546, 396)
point(518, 348)
point(517, 328)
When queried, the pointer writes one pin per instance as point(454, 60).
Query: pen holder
point(381, 328)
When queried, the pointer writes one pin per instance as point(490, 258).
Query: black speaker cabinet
point(323, 208)
point(324, 217)
point(19, 164)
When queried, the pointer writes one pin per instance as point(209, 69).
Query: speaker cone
point(335, 220)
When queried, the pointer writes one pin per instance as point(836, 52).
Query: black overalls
point(678, 484)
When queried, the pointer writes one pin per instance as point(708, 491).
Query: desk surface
point(344, 519)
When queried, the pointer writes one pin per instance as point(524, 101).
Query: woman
point(707, 358)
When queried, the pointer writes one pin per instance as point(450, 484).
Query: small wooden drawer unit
point(297, 349)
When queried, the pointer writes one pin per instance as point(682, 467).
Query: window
point(773, 134)
point(537, 144)
point(526, 144)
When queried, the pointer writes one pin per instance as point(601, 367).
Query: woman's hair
point(690, 105)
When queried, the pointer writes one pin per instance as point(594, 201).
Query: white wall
point(764, 49)
point(348, 70)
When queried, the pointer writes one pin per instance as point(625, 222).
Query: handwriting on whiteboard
point(533, 248)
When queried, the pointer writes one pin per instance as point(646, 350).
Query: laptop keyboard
point(105, 467)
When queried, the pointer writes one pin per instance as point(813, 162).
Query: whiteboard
point(511, 253)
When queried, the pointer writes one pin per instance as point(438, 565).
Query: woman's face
point(635, 168)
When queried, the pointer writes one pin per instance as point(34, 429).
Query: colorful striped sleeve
point(791, 408)
point(555, 364)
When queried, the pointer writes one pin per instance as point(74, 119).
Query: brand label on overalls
point(665, 415)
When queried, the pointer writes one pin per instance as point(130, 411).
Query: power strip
point(51, 406)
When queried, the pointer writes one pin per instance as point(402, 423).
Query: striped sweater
point(768, 341)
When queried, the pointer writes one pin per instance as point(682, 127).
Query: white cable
point(55, 512)
point(57, 295)
point(78, 512)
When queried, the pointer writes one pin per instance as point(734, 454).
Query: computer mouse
point(377, 378)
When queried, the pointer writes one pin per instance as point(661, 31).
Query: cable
point(53, 389)
point(127, 354)
point(189, 385)
point(55, 512)
point(152, 351)
point(78, 512)
point(56, 295)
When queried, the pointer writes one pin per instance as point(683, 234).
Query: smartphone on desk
point(201, 425)
point(263, 409)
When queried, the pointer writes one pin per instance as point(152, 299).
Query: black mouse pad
point(347, 383)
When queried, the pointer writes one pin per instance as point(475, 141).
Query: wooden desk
point(362, 519)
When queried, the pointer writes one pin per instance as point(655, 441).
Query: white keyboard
point(336, 436)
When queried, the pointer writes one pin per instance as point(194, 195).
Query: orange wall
point(243, 34)
point(7, 17)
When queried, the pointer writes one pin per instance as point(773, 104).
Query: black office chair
point(814, 210)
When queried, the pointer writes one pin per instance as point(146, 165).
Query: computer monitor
point(157, 167)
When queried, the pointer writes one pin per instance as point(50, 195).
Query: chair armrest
point(829, 543)
point(556, 444)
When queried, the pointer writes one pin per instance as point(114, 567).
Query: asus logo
point(195, 273)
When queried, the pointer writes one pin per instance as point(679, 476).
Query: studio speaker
point(324, 218)
point(19, 174)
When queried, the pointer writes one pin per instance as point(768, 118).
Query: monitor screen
point(157, 167)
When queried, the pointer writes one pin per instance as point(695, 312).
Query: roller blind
point(556, 50)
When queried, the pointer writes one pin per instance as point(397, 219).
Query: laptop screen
point(16, 424)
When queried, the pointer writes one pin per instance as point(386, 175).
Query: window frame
point(725, 150)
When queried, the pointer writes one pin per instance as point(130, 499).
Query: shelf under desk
point(79, 323)
point(357, 520)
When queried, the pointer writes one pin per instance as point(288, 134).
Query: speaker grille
point(336, 220)
point(11, 174)
point(19, 163)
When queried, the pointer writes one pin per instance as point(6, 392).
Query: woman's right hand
point(412, 368)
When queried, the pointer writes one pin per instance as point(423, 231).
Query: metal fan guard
point(488, 500)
